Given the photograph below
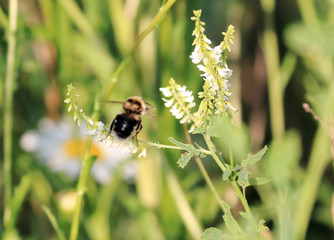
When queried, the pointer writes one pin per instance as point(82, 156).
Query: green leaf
point(252, 159)
point(198, 130)
point(282, 159)
point(244, 215)
point(227, 174)
point(243, 177)
point(230, 223)
point(258, 181)
point(212, 234)
point(230, 136)
point(261, 227)
point(184, 146)
point(310, 41)
point(185, 158)
point(190, 152)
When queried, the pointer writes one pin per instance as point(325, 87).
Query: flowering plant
point(212, 62)
point(213, 119)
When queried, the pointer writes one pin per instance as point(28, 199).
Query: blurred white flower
point(60, 146)
point(66, 201)
point(143, 153)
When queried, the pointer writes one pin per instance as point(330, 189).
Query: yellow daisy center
point(76, 147)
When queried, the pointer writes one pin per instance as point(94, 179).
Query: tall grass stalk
point(81, 188)
point(74, 12)
point(271, 54)
point(320, 157)
point(308, 12)
point(187, 215)
point(127, 60)
point(8, 110)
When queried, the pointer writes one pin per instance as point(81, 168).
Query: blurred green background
point(83, 42)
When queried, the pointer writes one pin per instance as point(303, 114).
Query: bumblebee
point(128, 123)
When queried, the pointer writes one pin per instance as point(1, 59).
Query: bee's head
point(134, 105)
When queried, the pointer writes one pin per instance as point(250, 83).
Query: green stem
point(158, 145)
point(271, 55)
point(242, 199)
point(308, 12)
point(8, 110)
point(213, 152)
point(231, 157)
point(204, 172)
point(127, 60)
point(81, 188)
point(156, 20)
point(87, 163)
point(234, 183)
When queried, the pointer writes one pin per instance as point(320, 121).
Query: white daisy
point(60, 146)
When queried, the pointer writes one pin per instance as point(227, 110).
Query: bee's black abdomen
point(124, 125)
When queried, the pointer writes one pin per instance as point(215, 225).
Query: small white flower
point(174, 110)
point(196, 56)
point(201, 67)
point(186, 119)
point(216, 55)
point(225, 73)
point(178, 116)
point(207, 40)
point(192, 104)
point(87, 130)
point(142, 154)
point(166, 92)
point(182, 89)
point(187, 96)
point(190, 98)
point(168, 103)
point(214, 87)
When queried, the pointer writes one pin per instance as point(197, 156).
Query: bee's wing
point(150, 110)
point(148, 106)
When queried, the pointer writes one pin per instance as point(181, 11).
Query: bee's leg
point(111, 127)
point(138, 129)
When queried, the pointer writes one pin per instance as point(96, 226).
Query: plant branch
point(234, 183)
point(158, 145)
point(271, 55)
point(213, 152)
point(204, 172)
